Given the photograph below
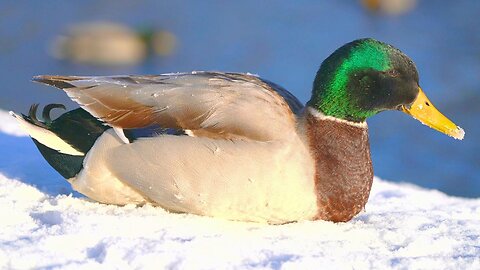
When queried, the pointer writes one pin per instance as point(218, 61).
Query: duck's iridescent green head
point(365, 77)
point(362, 78)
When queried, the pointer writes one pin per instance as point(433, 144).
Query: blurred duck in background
point(389, 7)
point(111, 44)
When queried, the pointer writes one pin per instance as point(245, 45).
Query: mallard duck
point(101, 44)
point(111, 44)
point(232, 145)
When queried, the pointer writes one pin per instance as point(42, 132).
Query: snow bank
point(403, 227)
point(9, 126)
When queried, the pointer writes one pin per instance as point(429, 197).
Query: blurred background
point(282, 41)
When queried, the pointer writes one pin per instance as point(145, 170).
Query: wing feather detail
point(210, 104)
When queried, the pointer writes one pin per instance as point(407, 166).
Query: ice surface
point(402, 227)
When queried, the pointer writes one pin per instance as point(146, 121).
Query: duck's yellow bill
point(424, 111)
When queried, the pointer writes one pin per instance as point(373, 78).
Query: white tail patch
point(46, 137)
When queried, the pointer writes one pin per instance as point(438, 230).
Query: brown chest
point(343, 167)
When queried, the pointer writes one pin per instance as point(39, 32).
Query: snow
point(403, 227)
point(8, 126)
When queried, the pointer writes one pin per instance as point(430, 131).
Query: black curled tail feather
point(48, 108)
point(77, 128)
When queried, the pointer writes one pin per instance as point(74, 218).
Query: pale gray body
point(247, 156)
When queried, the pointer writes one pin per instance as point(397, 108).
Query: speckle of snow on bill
point(9, 125)
point(403, 227)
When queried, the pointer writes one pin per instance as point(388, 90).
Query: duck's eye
point(393, 73)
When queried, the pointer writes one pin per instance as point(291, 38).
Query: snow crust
point(403, 227)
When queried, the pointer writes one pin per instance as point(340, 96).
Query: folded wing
point(209, 104)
